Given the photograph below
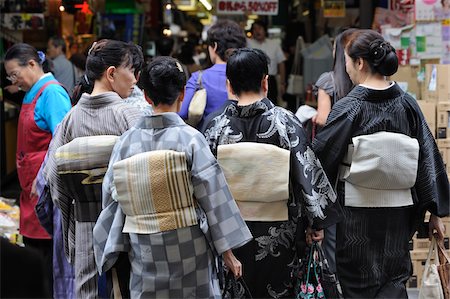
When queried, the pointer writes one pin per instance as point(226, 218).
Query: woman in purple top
point(223, 37)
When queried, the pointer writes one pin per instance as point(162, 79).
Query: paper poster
point(240, 7)
point(445, 41)
point(20, 21)
point(431, 10)
point(429, 40)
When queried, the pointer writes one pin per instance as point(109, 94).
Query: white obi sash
point(155, 192)
point(380, 170)
point(258, 176)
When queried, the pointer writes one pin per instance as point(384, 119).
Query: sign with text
point(240, 7)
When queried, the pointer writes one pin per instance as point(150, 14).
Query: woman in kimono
point(290, 188)
point(166, 202)
point(112, 67)
point(378, 147)
point(43, 107)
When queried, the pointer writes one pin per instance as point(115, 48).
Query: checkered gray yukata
point(180, 263)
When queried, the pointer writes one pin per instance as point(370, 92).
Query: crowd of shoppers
point(151, 207)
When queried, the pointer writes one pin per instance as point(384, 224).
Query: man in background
point(63, 69)
point(273, 50)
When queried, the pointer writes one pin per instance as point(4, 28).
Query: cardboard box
point(429, 86)
point(443, 82)
point(442, 120)
point(407, 74)
point(429, 112)
point(436, 87)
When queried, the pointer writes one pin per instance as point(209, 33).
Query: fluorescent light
point(206, 4)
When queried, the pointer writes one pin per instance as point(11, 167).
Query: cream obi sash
point(155, 192)
point(82, 164)
point(258, 176)
point(380, 170)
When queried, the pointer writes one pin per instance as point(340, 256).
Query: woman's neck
point(376, 81)
point(100, 87)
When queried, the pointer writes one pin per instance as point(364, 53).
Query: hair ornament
point(378, 51)
point(92, 48)
point(180, 68)
point(41, 57)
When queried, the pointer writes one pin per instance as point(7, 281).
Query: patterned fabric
point(181, 262)
point(155, 192)
point(260, 197)
point(103, 114)
point(85, 153)
point(372, 244)
point(268, 259)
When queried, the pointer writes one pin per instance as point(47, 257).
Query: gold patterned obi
point(258, 176)
point(155, 192)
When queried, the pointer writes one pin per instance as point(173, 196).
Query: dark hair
point(162, 80)
point(371, 46)
point(246, 68)
point(58, 41)
point(342, 82)
point(82, 86)
point(78, 60)
point(22, 53)
point(260, 23)
point(164, 46)
point(187, 53)
point(228, 35)
point(107, 52)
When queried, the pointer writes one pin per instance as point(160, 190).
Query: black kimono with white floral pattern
point(268, 259)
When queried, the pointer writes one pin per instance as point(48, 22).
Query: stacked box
point(436, 87)
point(429, 112)
point(442, 123)
point(406, 76)
point(444, 149)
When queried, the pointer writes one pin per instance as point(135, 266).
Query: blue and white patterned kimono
point(268, 259)
point(178, 263)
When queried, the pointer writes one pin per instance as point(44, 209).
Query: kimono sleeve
point(62, 200)
point(227, 228)
point(331, 143)
point(432, 186)
point(109, 240)
point(308, 178)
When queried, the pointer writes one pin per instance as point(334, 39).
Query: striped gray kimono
point(103, 114)
point(168, 262)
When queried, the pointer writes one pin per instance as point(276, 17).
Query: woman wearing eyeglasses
point(45, 104)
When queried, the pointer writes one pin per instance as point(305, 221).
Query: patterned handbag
point(308, 282)
point(314, 278)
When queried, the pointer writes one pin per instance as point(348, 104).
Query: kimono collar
point(100, 100)
point(369, 94)
point(251, 110)
point(160, 121)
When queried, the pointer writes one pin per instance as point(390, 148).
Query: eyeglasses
point(13, 76)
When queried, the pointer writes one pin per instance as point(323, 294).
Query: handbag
point(235, 287)
point(444, 270)
point(198, 103)
point(330, 283)
point(431, 283)
point(295, 79)
point(314, 278)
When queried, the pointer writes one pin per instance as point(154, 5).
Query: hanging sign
point(240, 7)
point(334, 9)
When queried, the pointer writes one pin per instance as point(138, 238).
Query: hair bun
point(378, 50)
